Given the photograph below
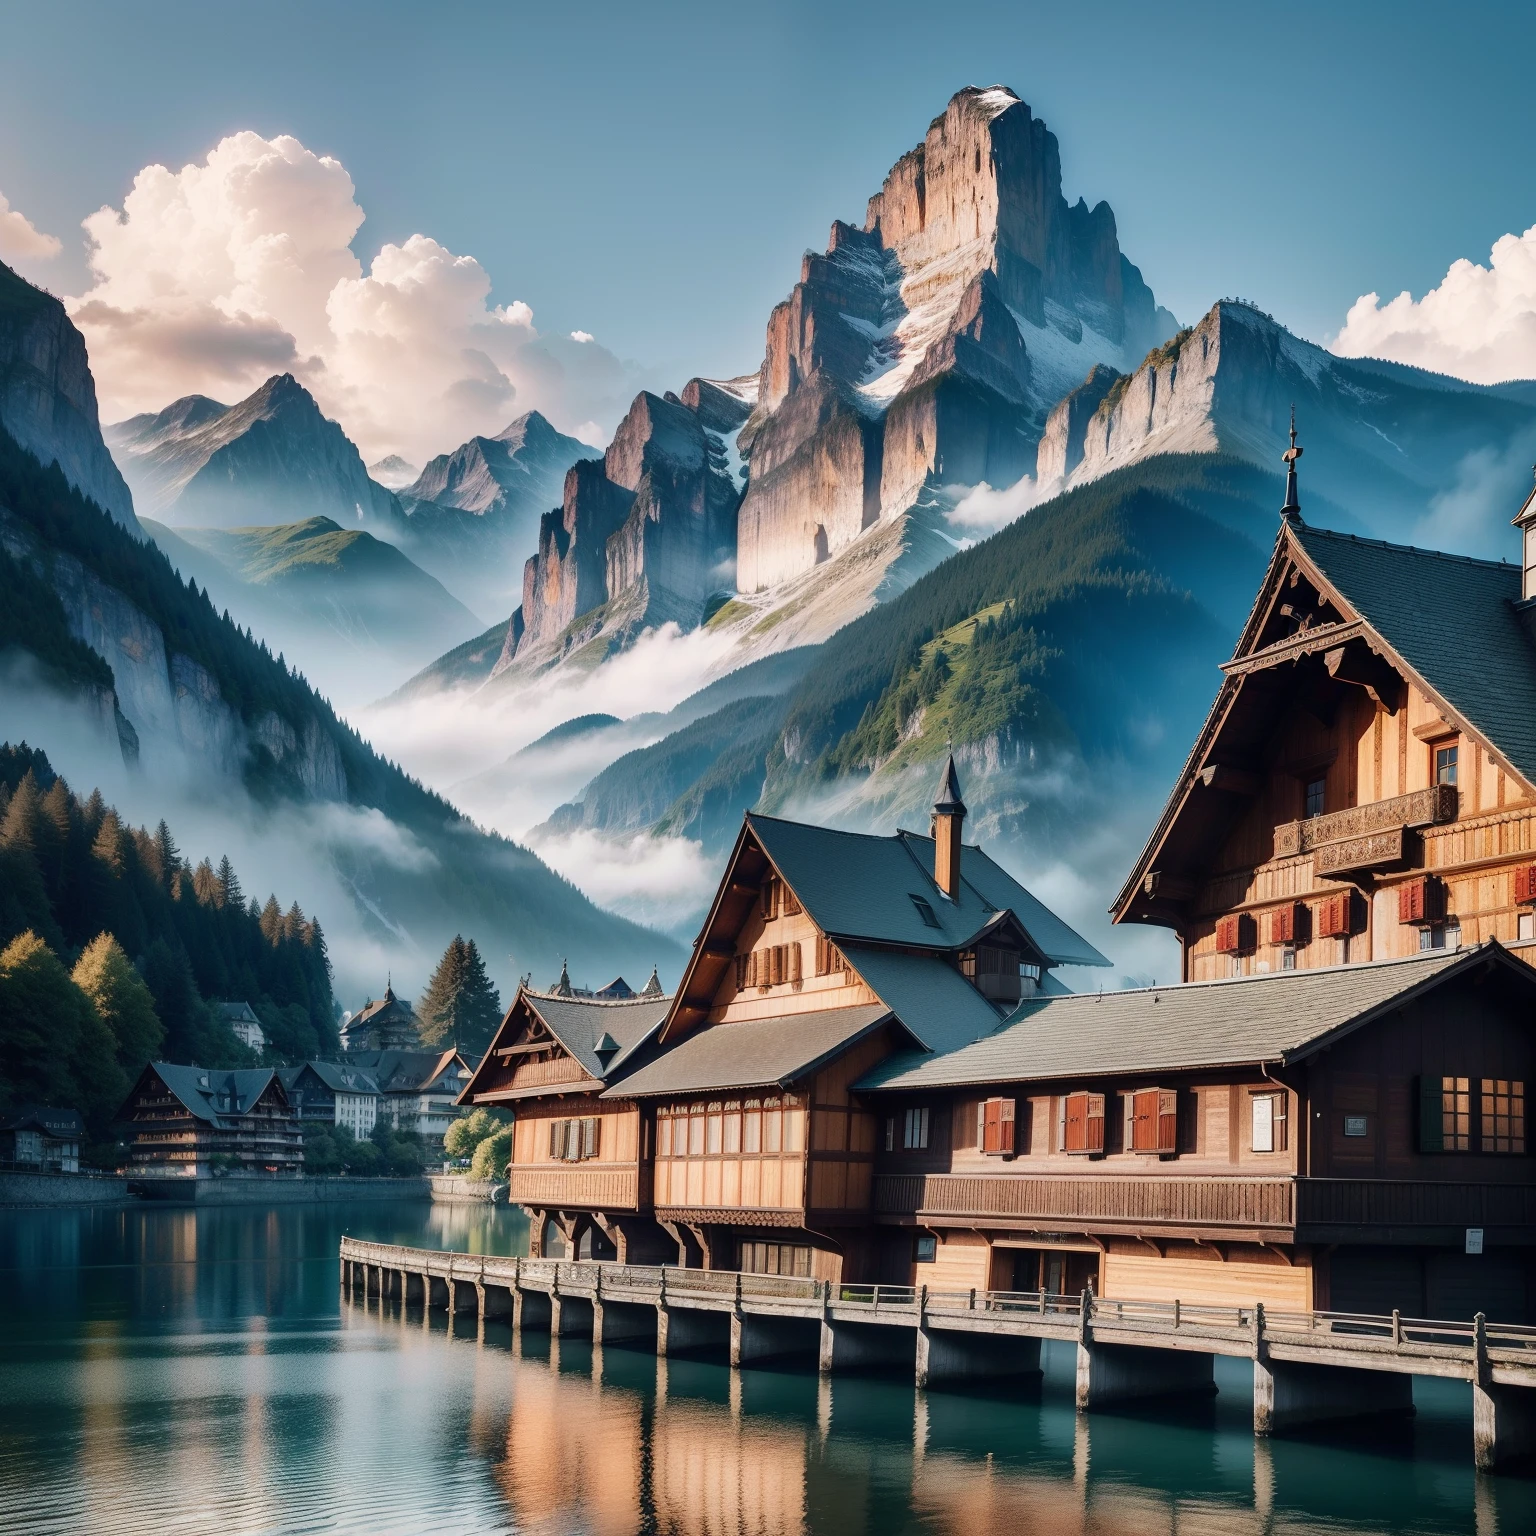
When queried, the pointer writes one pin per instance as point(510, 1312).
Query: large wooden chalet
point(868, 1071)
point(717, 1127)
point(179, 1119)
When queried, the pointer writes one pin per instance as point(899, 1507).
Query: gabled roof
point(1446, 622)
point(1453, 621)
point(214, 1096)
point(60, 1124)
point(1275, 1018)
point(578, 1023)
point(857, 886)
point(345, 1078)
point(755, 1053)
point(403, 1071)
point(939, 1007)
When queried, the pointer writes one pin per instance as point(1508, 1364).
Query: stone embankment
point(21, 1189)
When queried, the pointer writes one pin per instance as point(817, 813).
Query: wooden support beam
point(1234, 781)
point(1354, 662)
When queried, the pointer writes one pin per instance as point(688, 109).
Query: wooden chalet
point(1321, 1137)
point(718, 1127)
point(1364, 786)
point(178, 1119)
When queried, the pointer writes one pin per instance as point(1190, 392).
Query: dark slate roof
point(579, 1022)
point(856, 886)
point(755, 1053)
point(1276, 1017)
point(401, 1071)
point(345, 1078)
point(213, 1095)
point(1452, 620)
point(60, 1124)
point(936, 1003)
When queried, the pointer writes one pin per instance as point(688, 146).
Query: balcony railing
point(1102, 1201)
point(1365, 836)
point(575, 1185)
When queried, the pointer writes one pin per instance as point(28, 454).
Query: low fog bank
point(387, 902)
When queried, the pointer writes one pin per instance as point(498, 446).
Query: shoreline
point(20, 1190)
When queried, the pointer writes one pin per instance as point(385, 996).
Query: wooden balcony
point(1107, 1202)
point(1370, 836)
point(576, 1186)
point(1266, 1209)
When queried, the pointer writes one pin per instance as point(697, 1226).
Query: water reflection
point(197, 1370)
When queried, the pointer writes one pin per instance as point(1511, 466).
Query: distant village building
point(418, 1090)
point(178, 1119)
point(325, 1093)
point(617, 991)
point(41, 1137)
point(242, 1020)
point(388, 1024)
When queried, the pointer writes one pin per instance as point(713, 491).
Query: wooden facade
point(179, 1120)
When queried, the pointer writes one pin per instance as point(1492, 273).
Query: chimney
point(948, 814)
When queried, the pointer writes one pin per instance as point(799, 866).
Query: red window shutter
point(1410, 902)
point(1168, 1120)
point(1282, 925)
point(1226, 935)
point(1095, 1122)
point(1525, 884)
point(1075, 1137)
point(991, 1126)
point(1005, 1125)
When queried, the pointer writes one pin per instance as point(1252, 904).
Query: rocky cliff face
point(473, 514)
point(644, 536)
point(1381, 439)
point(929, 346)
point(48, 397)
point(273, 458)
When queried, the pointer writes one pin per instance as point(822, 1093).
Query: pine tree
point(460, 1006)
point(167, 859)
point(122, 1001)
point(229, 892)
point(272, 921)
point(111, 843)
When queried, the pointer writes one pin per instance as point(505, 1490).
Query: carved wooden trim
point(1421, 808)
point(1324, 638)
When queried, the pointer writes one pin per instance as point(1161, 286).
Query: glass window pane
point(753, 1139)
point(733, 1131)
point(695, 1135)
point(773, 1129)
point(1263, 1123)
point(712, 1134)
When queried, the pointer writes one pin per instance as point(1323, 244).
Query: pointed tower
point(1291, 511)
point(652, 988)
point(562, 988)
point(948, 815)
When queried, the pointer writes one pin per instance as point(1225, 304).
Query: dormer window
point(925, 911)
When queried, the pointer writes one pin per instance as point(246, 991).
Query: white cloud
point(1479, 324)
point(664, 882)
point(982, 511)
point(581, 336)
point(21, 239)
point(212, 278)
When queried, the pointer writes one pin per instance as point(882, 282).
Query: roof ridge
point(1353, 968)
point(1408, 549)
point(600, 1002)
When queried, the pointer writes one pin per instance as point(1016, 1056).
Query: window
point(1267, 1113)
point(1082, 1123)
point(775, 1259)
point(1445, 1114)
point(1441, 936)
point(1288, 957)
point(1503, 1116)
point(573, 1141)
point(1316, 797)
point(1527, 928)
point(768, 967)
point(890, 1133)
point(1356, 1125)
point(996, 1127)
point(914, 1136)
point(924, 911)
point(1154, 1121)
point(925, 1248)
point(1445, 764)
point(771, 897)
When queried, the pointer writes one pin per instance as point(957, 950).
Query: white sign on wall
point(1474, 1239)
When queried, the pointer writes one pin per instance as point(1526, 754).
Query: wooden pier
point(1308, 1367)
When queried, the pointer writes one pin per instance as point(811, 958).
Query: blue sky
point(651, 174)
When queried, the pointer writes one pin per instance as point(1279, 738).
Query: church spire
point(1291, 511)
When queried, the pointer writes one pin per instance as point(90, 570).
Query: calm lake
point(171, 1370)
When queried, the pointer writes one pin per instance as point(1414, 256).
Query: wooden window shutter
point(1075, 1127)
point(1227, 935)
point(589, 1137)
point(554, 1138)
point(1337, 917)
point(771, 897)
point(1095, 1121)
point(1144, 1107)
point(1168, 1120)
point(992, 1126)
point(1005, 1125)
point(741, 972)
point(1421, 901)
point(823, 959)
point(794, 961)
point(1284, 923)
point(1431, 1115)
point(791, 902)
point(1525, 885)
